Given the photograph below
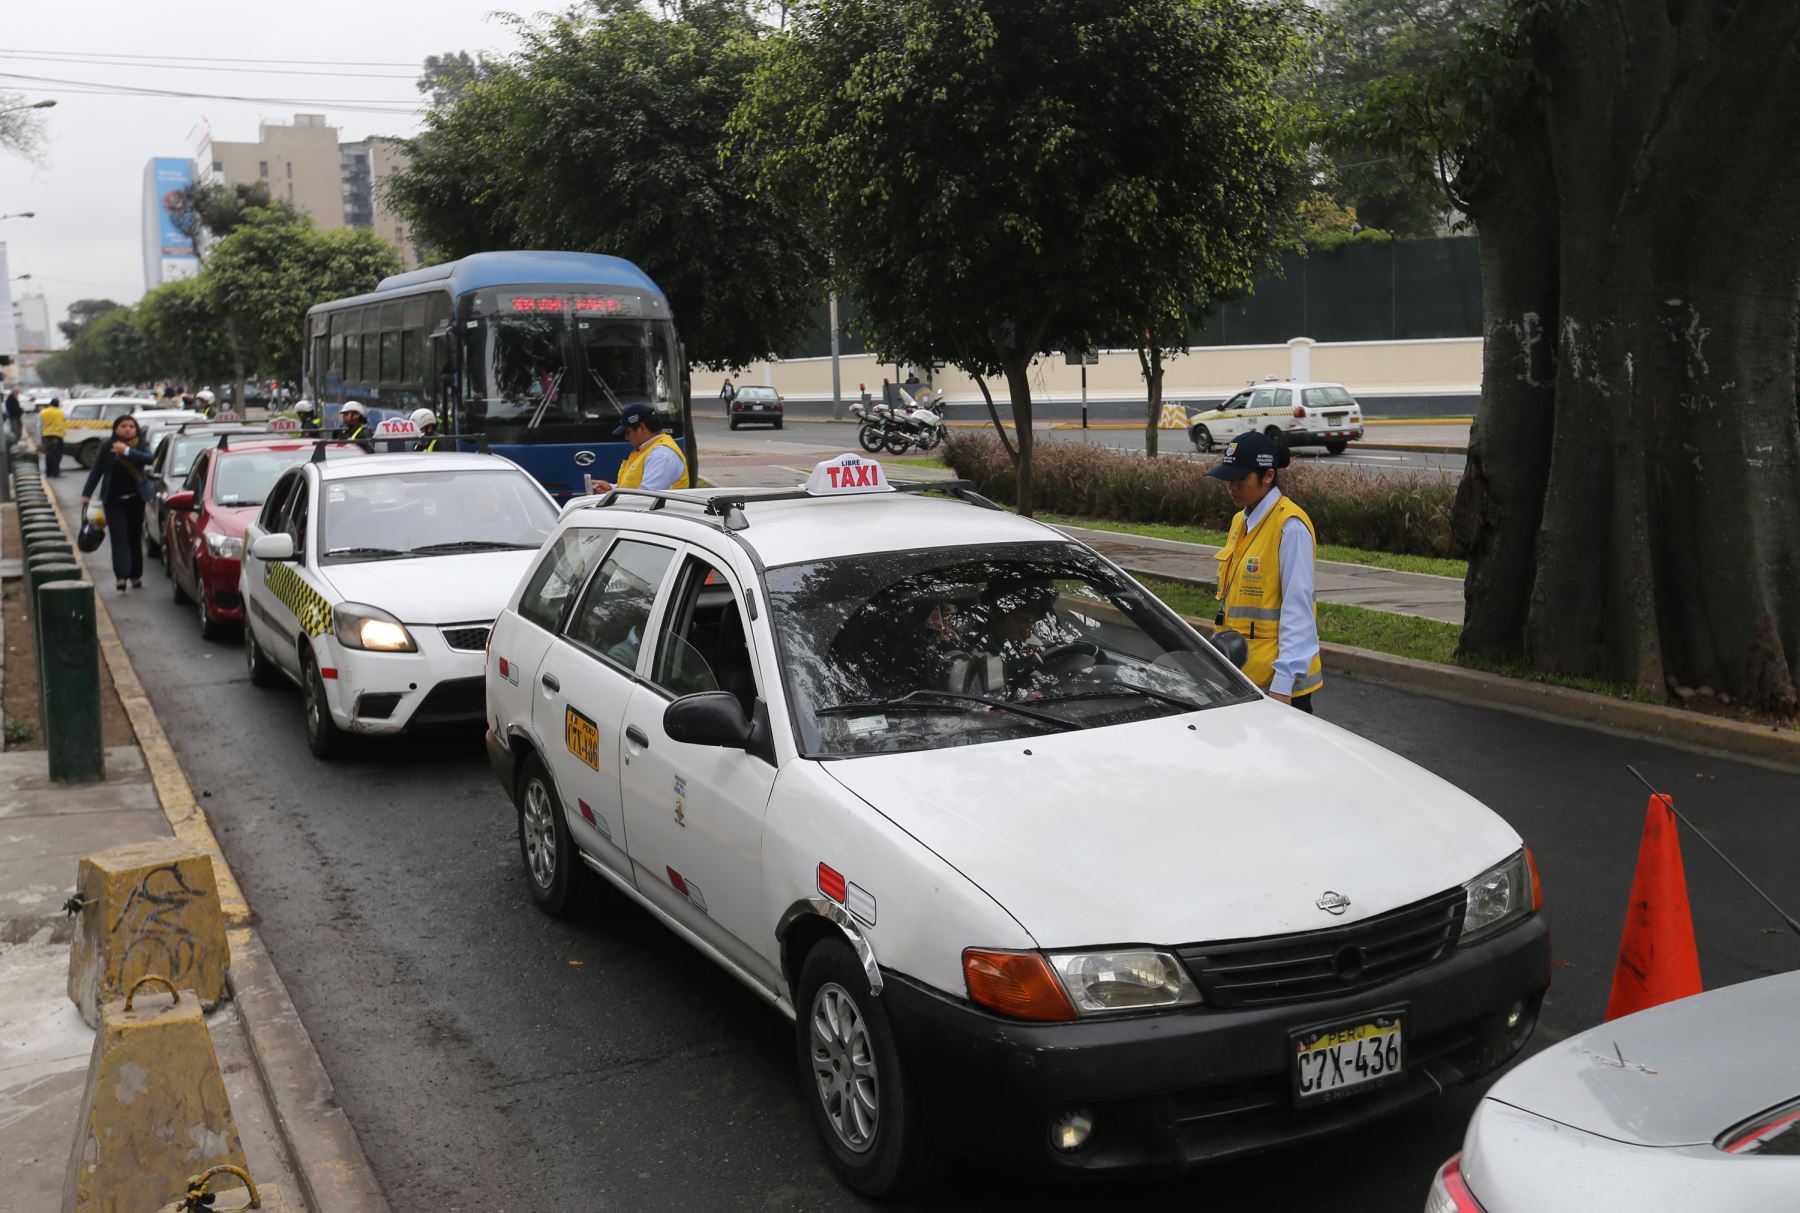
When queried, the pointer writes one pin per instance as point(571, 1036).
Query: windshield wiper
point(925, 697)
point(375, 552)
point(469, 545)
point(1174, 700)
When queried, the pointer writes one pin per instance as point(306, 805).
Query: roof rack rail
point(730, 506)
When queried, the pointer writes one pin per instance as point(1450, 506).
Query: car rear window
point(1328, 397)
point(756, 393)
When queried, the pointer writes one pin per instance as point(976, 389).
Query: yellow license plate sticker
point(582, 736)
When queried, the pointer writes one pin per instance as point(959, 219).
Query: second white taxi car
point(1290, 413)
point(1033, 868)
point(372, 583)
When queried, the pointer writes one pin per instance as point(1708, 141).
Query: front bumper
point(383, 693)
point(220, 578)
point(1170, 1091)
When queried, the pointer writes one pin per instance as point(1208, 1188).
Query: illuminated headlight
point(1497, 898)
point(1136, 979)
point(231, 547)
point(367, 627)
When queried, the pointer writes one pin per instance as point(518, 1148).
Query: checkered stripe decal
point(313, 612)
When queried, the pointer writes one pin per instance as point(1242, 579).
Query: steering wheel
point(1067, 658)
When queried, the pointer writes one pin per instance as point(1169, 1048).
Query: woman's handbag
point(90, 537)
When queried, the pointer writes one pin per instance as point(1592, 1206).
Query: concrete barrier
point(155, 1108)
point(151, 908)
point(69, 677)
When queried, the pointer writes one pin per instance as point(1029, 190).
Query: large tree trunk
point(1667, 534)
point(237, 366)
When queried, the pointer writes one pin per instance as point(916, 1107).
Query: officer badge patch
point(1253, 565)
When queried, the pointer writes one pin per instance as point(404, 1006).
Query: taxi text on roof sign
point(397, 427)
point(845, 475)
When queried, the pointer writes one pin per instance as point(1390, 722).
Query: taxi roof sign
point(846, 475)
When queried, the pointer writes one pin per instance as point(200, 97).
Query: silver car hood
point(1675, 1075)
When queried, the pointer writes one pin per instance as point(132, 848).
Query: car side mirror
point(714, 718)
point(279, 546)
point(180, 503)
point(1232, 646)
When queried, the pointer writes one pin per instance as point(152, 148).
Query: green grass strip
point(1435, 565)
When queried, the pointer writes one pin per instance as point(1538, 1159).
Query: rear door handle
point(636, 737)
point(549, 680)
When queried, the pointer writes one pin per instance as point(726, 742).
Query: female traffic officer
point(121, 472)
point(1266, 574)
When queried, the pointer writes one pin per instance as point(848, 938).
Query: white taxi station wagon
point(1037, 873)
point(372, 583)
point(1289, 412)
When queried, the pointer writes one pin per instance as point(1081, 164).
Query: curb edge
point(333, 1169)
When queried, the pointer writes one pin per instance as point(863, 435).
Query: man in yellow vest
point(655, 462)
point(52, 426)
point(1266, 574)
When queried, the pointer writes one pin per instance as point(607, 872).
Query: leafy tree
point(1629, 499)
point(448, 78)
point(273, 267)
point(183, 333)
point(603, 134)
point(998, 178)
point(105, 349)
point(211, 210)
point(1367, 42)
point(82, 313)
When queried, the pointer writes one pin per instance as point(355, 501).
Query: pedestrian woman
point(122, 474)
point(1266, 574)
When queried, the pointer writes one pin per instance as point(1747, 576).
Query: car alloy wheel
point(538, 824)
point(844, 1069)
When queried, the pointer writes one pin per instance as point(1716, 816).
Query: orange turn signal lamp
point(1537, 882)
point(1019, 984)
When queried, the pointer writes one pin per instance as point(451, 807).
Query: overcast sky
point(87, 238)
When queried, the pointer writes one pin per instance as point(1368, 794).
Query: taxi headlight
point(231, 547)
point(1129, 979)
point(1497, 898)
point(366, 627)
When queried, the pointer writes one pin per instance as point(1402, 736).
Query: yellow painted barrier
point(1174, 417)
point(148, 908)
point(155, 1110)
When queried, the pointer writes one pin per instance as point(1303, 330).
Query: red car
point(203, 533)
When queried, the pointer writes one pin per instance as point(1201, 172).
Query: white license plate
point(1343, 1058)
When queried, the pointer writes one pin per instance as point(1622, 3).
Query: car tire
point(863, 1104)
point(1273, 434)
point(560, 882)
point(181, 595)
point(323, 737)
point(210, 628)
point(731, 424)
point(1202, 439)
point(1336, 448)
point(87, 452)
point(778, 425)
point(262, 670)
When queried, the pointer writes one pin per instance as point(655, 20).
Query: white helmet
point(423, 418)
point(303, 406)
point(205, 396)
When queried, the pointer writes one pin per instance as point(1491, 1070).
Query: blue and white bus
point(535, 351)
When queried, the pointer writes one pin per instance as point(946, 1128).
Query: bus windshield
point(556, 367)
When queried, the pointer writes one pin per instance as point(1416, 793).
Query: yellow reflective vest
point(631, 472)
point(51, 423)
point(1250, 588)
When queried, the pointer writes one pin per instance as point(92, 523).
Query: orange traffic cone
point(1658, 961)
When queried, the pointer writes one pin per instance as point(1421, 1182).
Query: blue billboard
point(172, 177)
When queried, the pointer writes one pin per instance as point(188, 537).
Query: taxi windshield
point(432, 514)
point(957, 646)
point(245, 477)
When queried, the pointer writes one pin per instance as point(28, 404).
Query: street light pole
point(21, 215)
point(35, 105)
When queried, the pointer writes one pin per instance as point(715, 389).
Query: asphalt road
point(494, 1059)
point(814, 436)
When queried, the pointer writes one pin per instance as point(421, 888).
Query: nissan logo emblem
point(1333, 903)
point(585, 459)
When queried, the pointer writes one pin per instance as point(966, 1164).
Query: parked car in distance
point(756, 404)
point(1290, 413)
point(204, 522)
point(1694, 1104)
